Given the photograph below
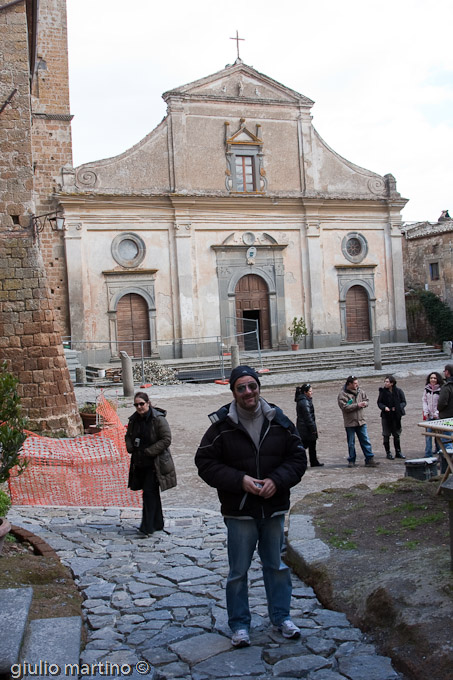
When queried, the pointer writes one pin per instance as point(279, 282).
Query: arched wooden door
point(252, 305)
point(357, 315)
point(132, 322)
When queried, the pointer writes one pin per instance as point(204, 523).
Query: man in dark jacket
point(253, 455)
point(445, 403)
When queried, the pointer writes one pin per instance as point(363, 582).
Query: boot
point(387, 450)
point(396, 442)
point(316, 463)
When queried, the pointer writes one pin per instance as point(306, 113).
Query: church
point(232, 214)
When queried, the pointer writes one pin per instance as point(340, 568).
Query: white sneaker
point(240, 638)
point(289, 630)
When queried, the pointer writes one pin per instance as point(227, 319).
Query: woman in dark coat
point(148, 436)
point(392, 403)
point(306, 422)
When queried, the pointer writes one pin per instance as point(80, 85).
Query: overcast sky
point(380, 73)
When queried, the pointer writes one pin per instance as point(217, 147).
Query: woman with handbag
point(148, 437)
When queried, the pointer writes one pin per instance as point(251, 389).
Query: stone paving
point(158, 603)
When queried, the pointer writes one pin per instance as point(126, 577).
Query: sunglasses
point(252, 387)
point(139, 403)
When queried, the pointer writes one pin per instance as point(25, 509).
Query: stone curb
point(40, 546)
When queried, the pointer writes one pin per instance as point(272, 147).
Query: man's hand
point(259, 487)
point(362, 404)
point(268, 489)
point(252, 485)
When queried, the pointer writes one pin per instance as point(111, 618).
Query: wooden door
point(252, 295)
point(133, 325)
point(357, 315)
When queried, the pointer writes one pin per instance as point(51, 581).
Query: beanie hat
point(240, 372)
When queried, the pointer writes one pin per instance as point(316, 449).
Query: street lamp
point(55, 220)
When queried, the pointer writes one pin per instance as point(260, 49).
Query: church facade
point(232, 214)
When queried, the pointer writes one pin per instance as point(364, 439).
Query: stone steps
point(311, 360)
point(52, 641)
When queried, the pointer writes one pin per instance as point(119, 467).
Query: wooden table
point(442, 431)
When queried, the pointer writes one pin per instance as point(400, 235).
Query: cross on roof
point(237, 38)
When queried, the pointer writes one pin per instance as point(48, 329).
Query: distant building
point(233, 211)
point(428, 256)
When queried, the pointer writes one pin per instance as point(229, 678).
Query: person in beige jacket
point(353, 401)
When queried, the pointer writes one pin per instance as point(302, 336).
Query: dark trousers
point(152, 517)
point(311, 448)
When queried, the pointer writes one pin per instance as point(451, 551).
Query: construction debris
point(154, 373)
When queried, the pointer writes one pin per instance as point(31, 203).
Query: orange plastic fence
point(85, 471)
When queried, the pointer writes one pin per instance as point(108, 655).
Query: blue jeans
point(362, 436)
point(243, 535)
point(429, 444)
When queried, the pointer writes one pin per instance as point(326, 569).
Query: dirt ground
point(389, 568)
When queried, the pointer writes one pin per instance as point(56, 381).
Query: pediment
point(244, 136)
point(241, 82)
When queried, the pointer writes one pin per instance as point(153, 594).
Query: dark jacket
point(395, 400)
point(147, 439)
point(306, 421)
point(445, 403)
point(227, 453)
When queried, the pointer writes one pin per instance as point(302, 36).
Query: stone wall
point(16, 173)
point(430, 245)
point(29, 335)
point(51, 141)
point(30, 341)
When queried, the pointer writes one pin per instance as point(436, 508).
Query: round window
point(128, 250)
point(354, 247)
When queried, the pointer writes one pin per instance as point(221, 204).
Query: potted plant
point(12, 437)
point(298, 329)
point(88, 414)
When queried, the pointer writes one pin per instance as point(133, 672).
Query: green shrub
point(5, 503)
point(12, 425)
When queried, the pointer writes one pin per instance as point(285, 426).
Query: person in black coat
point(392, 403)
point(306, 421)
point(148, 435)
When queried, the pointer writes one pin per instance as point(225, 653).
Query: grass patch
point(382, 531)
point(412, 545)
point(342, 543)
point(415, 522)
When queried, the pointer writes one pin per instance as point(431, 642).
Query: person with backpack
point(306, 421)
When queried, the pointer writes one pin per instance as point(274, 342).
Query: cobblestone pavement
point(158, 603)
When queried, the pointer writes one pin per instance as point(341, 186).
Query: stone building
point(30, 338)
point(428, 256)
point(232, 212)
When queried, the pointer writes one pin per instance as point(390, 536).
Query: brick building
point(30, 338)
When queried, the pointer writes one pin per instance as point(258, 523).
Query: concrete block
point(51, 641)
point(14, 607)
